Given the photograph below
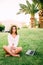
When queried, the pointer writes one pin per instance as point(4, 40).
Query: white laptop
point(30, 52)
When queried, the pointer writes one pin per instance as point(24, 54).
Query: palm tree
point(39, 4)
point(29, 9)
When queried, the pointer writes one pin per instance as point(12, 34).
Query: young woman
point(13, 39)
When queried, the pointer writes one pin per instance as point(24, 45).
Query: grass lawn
point(29, 39)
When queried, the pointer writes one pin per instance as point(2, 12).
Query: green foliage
point(38, 3)
point(2, 27)
point(25, 26)
point(28, 8)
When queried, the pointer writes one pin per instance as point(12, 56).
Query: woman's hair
point(11, 30)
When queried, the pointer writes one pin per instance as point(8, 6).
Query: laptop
point(30, 52)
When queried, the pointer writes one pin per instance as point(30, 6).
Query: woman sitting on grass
point(13, 38)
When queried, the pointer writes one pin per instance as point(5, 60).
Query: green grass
point(29, 39)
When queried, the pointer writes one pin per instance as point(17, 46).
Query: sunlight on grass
point(29, 39)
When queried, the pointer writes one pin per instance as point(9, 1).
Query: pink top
point(12, 40)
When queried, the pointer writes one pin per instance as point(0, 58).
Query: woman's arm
point(10, 40)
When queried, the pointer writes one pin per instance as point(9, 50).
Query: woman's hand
point(12, 47)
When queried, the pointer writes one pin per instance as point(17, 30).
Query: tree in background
point(39, 5)
point(29, 9)
point(2, 27)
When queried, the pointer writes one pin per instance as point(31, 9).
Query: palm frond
point(28, 8)
point(28, 4)
point(39, 3)
point(23, 6)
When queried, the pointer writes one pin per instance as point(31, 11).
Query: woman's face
point(13, 30)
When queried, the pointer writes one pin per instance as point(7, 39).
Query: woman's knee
point(20, 48)
point(4, 47)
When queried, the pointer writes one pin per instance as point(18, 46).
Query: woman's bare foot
point(7, 55)
point(16, 55)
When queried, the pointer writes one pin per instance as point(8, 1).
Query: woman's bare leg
point(8, 51)
point(17, 50)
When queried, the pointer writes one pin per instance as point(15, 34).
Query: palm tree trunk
point(32, 22)
point(41, 18)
